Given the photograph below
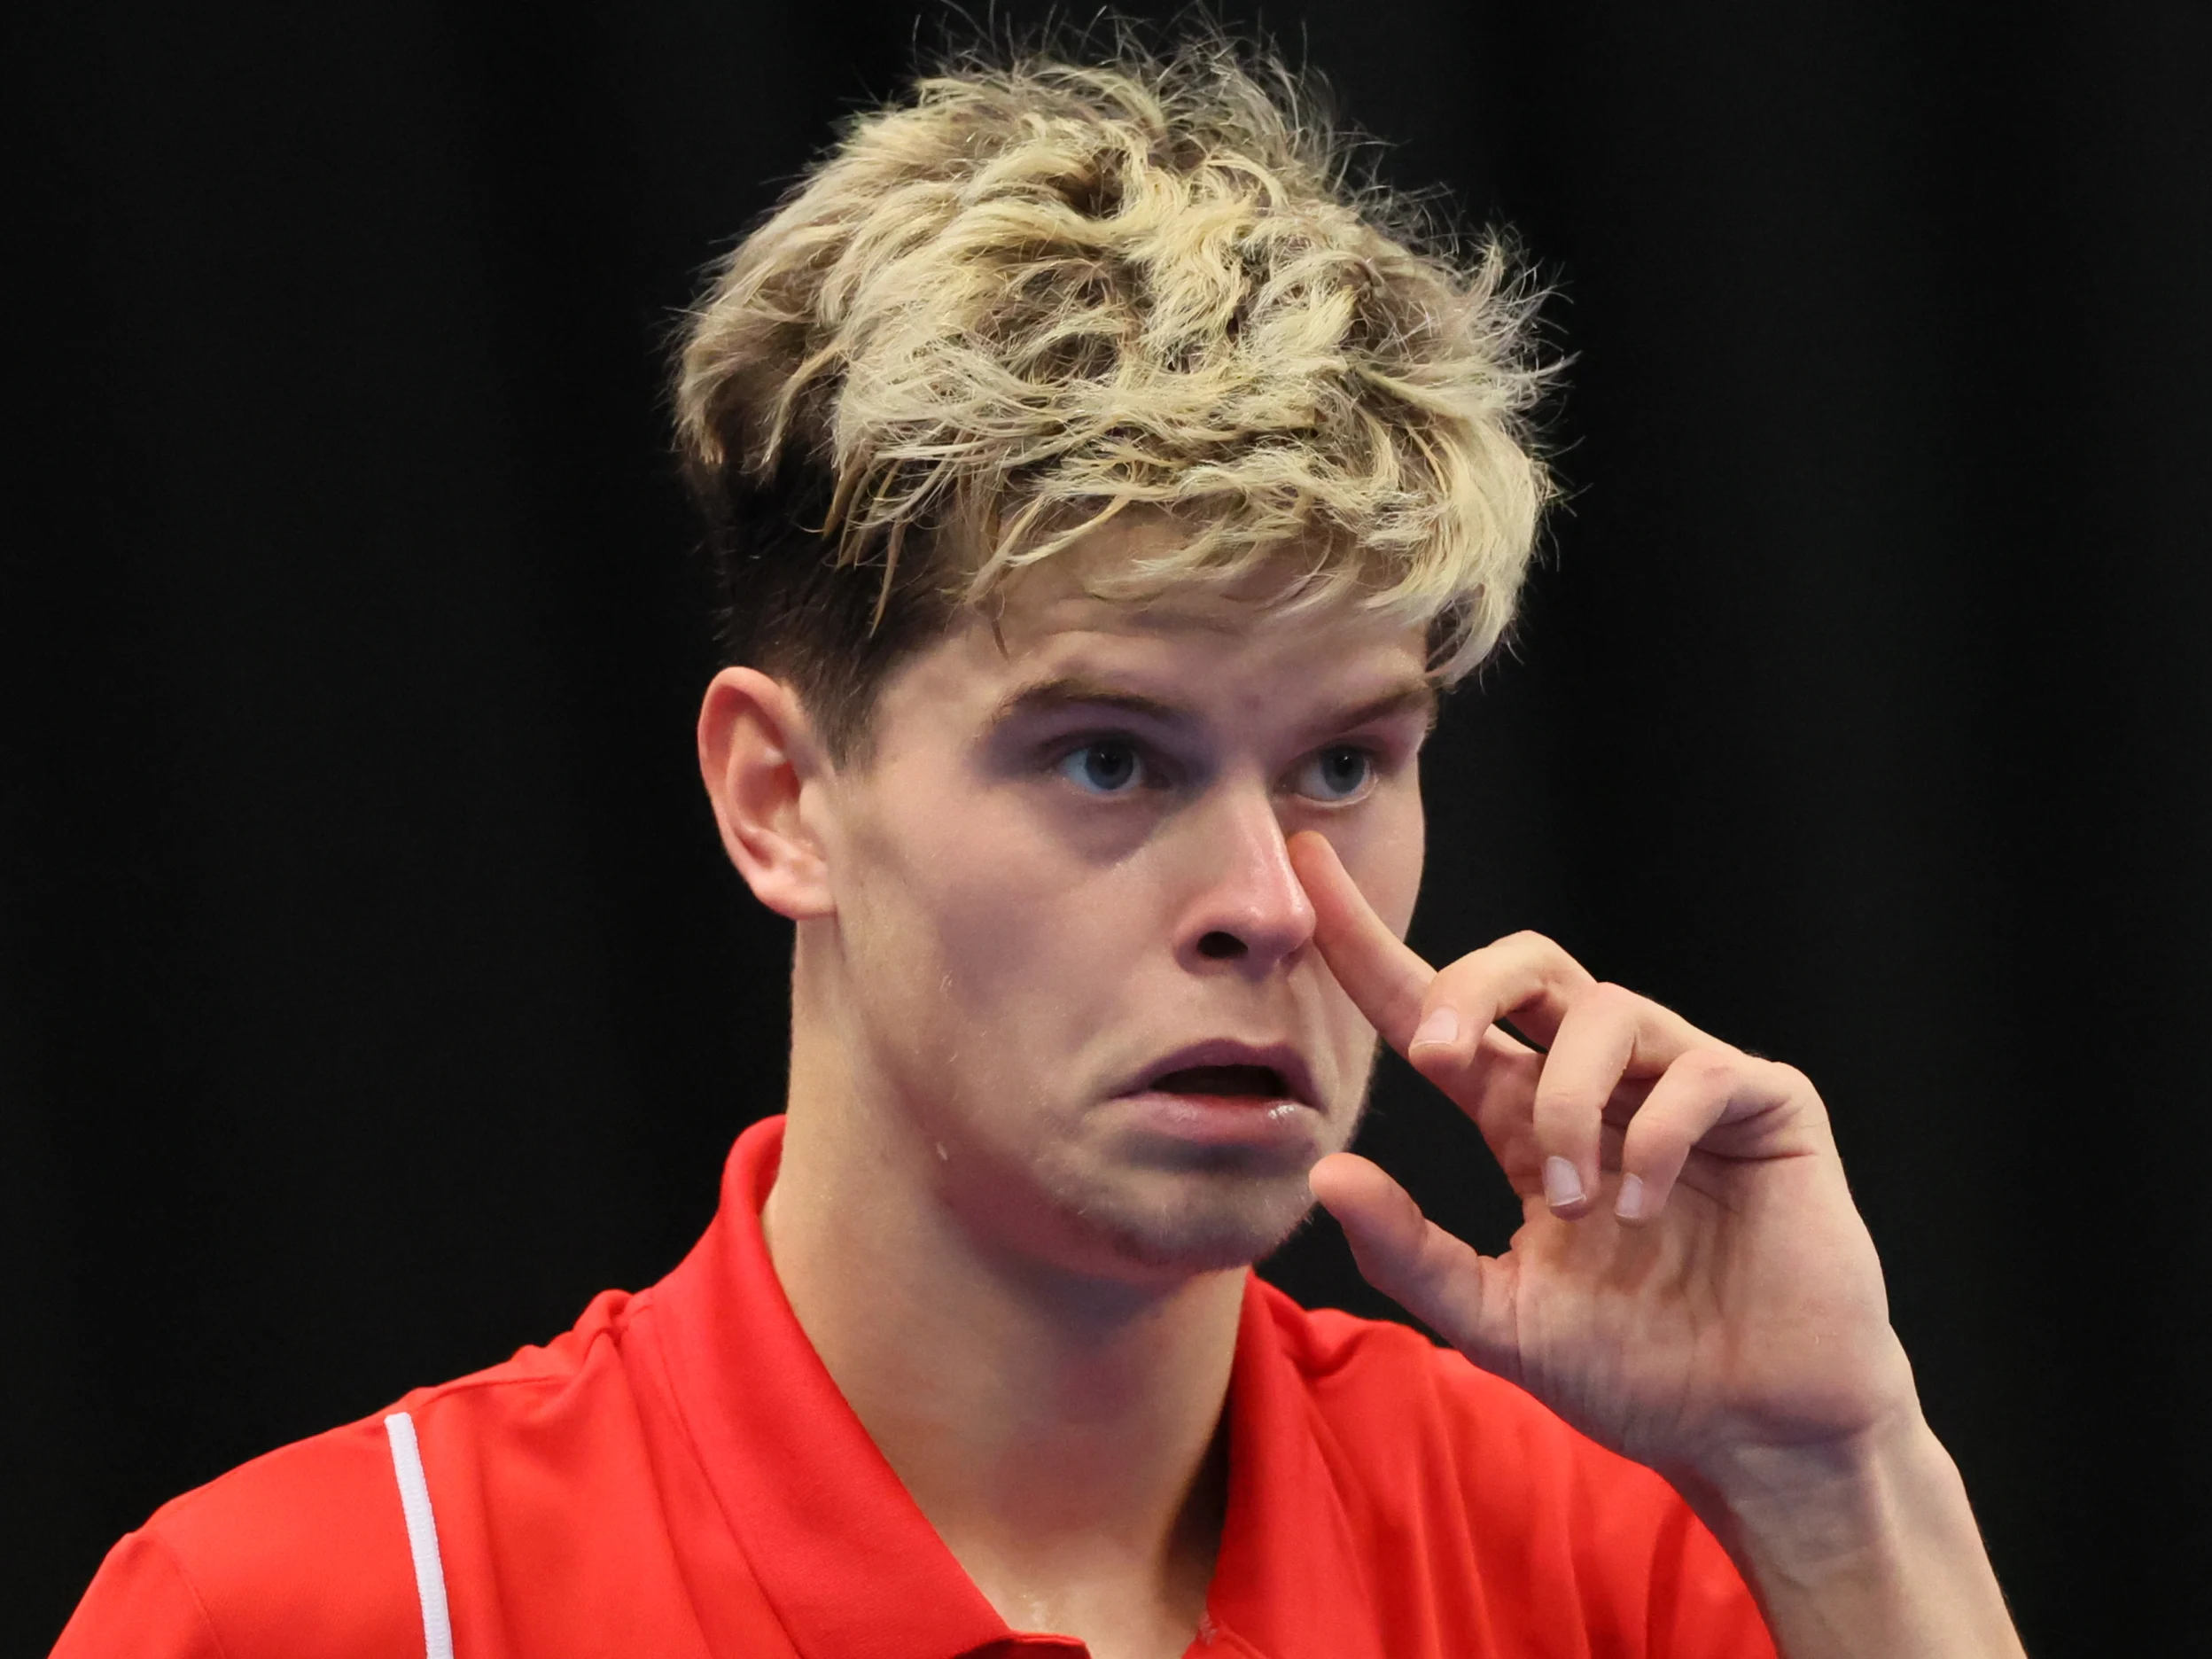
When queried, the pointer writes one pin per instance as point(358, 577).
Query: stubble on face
point(1214, 1212)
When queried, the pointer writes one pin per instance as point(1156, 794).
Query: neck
point(1063, 1436)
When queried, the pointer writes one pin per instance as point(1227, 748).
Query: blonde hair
point(1040, 293)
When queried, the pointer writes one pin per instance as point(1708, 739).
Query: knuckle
point(1653, 1138)
point(1456, 977)
point(1555, 1102)
point(1547, 953)
point(1568, 1116)
point(1714, 1068)
point(1790, 1080)
point(1606, 1001)
point(1429, 1268)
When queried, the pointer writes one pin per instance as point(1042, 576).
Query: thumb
point(1464, 1296)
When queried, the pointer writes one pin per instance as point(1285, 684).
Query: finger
point(1383, 977)
point(1607, 1035)
point(1524, 975)
point(1495, 1093)
point(1703, 1089)
point(1463, 1296)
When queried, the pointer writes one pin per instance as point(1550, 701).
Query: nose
point(1248, 907)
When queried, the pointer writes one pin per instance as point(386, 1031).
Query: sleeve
point(140, 1605)
point(301, 1553)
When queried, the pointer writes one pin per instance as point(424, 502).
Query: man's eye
point(1335, 775)
point(1102, 769)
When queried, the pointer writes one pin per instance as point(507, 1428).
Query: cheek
point(982, 946)
point(1032, 936)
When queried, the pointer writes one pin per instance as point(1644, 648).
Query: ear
point(757, 753)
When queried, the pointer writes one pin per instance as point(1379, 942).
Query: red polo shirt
point(679, 1477)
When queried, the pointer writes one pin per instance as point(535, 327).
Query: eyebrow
point(1067, 692)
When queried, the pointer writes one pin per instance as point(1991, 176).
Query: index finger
point(1386, 978)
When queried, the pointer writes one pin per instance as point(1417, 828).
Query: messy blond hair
point(1039, 293)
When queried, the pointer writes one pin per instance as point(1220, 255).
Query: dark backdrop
point(374, 988)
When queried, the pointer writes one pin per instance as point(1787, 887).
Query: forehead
point(1227, 656)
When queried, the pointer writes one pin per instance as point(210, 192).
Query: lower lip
point(1224, 1120)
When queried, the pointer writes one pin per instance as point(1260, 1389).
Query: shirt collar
point(853, 1567)
point(1288, 1583)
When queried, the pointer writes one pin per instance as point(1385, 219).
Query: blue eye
point(1335, 774)
point(1102, 769)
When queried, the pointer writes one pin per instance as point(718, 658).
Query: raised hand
point(1691, 1281)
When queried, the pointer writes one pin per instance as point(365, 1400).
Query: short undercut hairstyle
point(1039, 293)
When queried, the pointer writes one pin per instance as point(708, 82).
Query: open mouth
point(1251, 1082)
point(1224, 1100)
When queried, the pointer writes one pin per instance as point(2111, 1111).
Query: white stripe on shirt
point(422, 1535)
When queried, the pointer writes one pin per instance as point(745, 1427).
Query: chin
point(1201, 1225)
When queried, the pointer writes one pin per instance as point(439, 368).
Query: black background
point(374, 987)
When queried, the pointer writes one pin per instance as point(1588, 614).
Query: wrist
point(1862, 1544)
point(1825, 1501)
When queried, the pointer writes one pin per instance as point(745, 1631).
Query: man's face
point(1072, 954)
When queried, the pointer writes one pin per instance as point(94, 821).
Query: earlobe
point(757, 755)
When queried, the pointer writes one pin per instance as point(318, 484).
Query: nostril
point(1220, 946)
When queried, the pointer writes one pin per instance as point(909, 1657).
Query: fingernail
point(1441, 1026)
point(1629, 1203)
point(1561, 1186)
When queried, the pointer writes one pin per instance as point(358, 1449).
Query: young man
point(1102, 497)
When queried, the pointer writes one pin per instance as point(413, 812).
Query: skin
point(1087, 835)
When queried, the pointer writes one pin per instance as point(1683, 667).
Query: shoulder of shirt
point(1344, 1360)
point(339, 1458)
point(1383, 1393)
point(1431, 1453)
point(310, 1537)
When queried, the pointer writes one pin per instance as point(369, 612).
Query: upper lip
point(1281, 1058)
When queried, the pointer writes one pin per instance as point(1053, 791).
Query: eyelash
point(1153, 772)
